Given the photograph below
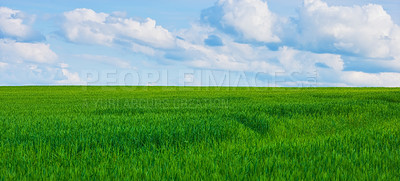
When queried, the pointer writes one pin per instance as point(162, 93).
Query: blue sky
point(200, 43)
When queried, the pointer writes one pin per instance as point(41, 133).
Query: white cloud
point(24, 61)
point(15, 24)
point(87, 26)
point(12, 51)
point(11, 23)
point(252, 58)
point(395, 42)
point(320, 40)
point(359, 30)
point(32, 64)
point(386, 79)
point(193, 51)
point(299, 61)
point(251, 19)
point(233, 56)
point(71, 78)
point(15, 30)
point(143, 49)
point(37, 74)
point(330, 39)
point(324, 34)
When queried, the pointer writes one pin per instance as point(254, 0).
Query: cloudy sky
point(208, 42)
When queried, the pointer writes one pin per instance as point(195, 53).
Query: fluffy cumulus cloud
point(203, 47)
point(18, 52)
point(249, 19)
point(24, 57)
point(338, 45)
point(248, 57)
point(366, 31)
point(15, 24)
point(88, 26)
point(323, 38)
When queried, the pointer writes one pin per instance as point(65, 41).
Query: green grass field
point(178, 133)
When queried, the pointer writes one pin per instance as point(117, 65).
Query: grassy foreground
point(199, 133)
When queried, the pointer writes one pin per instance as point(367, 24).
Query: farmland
point(186, 133)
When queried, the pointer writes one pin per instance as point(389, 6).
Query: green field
point(186, 133)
